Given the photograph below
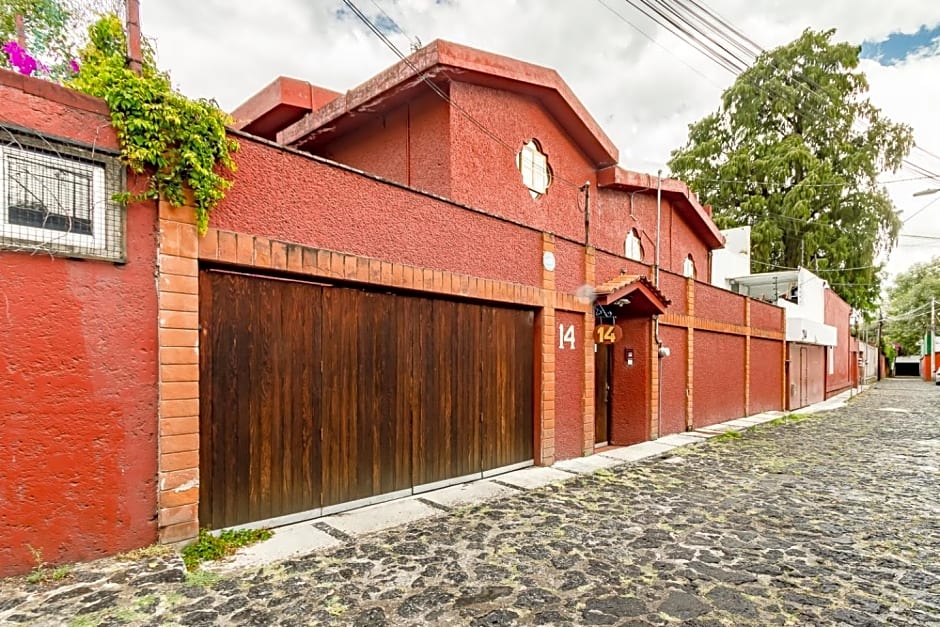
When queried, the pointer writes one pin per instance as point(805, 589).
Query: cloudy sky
point(642, 83)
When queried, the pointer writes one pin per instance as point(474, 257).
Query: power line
point(666, 16)
point(911, 217)
point(727, 31)
point(656, 43)
point(435, 88)
point(755, 182)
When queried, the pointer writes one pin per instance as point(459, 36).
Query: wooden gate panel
point(314, 396)
point(507, 378)
point(385, 427)
point(446, 427)
point(342, 463)
point(259, 419)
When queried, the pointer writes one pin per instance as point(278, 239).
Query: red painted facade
point(78, 363)
point(674, 384)
point(569, 415)
point(718, 398)
point(844, 358)
point(420, 188)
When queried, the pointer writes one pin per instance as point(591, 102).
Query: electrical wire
point(436, 89)
point(911, 217)
point(722, 27)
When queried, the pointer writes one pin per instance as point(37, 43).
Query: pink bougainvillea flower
point(19, 58)
point(73, 65)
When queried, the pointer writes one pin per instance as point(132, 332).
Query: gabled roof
point(698, 216)
point(278, 105)
point(440, 62)
point(645, 298)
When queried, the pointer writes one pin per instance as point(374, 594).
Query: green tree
point(794, 151)
point(909, 305)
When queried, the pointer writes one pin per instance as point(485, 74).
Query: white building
point(800, 292)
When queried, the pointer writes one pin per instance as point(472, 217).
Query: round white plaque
point(548, 260)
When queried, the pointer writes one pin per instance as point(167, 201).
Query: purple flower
point(19, 58)
point(73, 65)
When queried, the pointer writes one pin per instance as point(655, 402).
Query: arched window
point(633, 248)
point(533, 165)
point(688, 267)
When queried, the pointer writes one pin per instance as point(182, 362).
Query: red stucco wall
point(408, 145)
point(330, 207)
point(714, 303)
point(718, 398)
point(630, 385)
point(608, 266)
point(675, 380)
point(766, 375)
point(485, 173)
point(925, 372)
point(673, 286)
point(569, 266)
point(78, 372)
point(766, 316)
point(615, 213)
point(837, 313)
point(569, 381)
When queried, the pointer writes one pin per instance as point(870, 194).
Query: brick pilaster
point(747, 357)
point(690, 356)
point(654, 384)
point(547, 430)
point(178, 417)
point(588, 398)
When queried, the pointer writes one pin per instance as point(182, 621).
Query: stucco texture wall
point(408, 144)
point(714, 303)
point(484, 170)
point(78, 370)
point(767, 316)
point(837, 313)
point(630, 385)
point(674, 380)
point(718, 398)
point(327, 206)
point(766, 391)
point(673, 286)
point(569, 380)
point(615, 212)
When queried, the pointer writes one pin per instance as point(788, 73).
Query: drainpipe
point(659, 214)
point(586, 188)
point(659, 342)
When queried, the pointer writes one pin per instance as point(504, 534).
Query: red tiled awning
point(643, 298)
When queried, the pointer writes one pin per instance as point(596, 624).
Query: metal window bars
point(57, 197)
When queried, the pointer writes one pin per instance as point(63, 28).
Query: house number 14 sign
point(566, 336)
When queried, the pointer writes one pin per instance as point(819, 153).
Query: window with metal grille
point(56, 198)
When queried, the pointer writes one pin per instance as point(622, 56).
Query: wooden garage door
point(316, 395)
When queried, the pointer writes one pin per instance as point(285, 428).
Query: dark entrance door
point(317, 395)
point(602, 380)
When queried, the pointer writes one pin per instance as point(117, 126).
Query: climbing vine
point(180, 143)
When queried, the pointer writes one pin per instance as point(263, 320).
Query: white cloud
point(643, 94)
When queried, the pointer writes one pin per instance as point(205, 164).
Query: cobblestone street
point(829, 519)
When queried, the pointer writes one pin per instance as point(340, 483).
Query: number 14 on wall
point(566, 336)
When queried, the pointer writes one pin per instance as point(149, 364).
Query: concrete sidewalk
point(330, 531)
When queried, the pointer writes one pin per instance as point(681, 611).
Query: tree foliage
point(909, 305)
point(794, 151)
point(181, 144)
